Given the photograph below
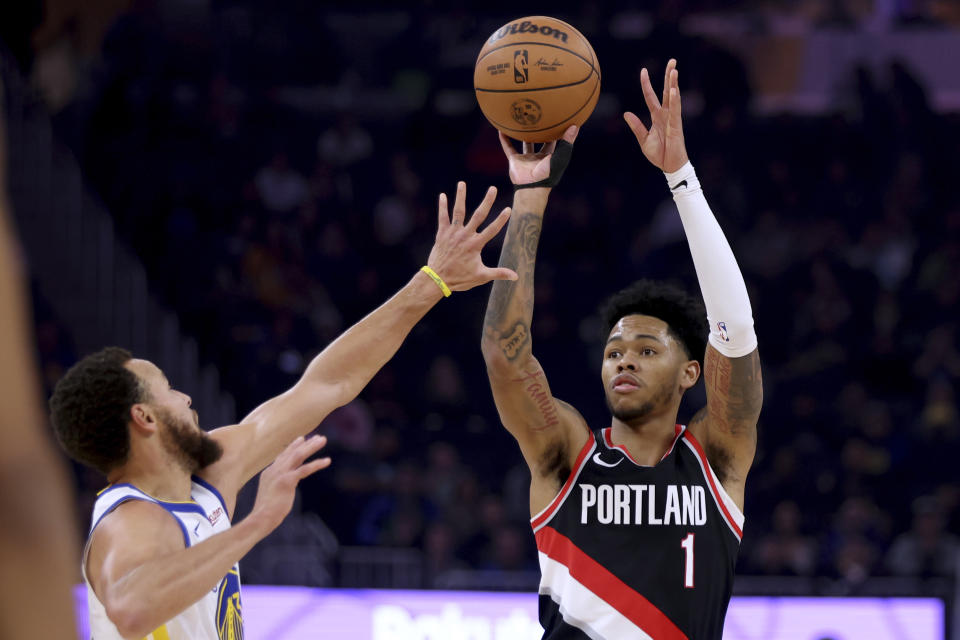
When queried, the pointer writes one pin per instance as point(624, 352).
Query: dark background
point(275, 167)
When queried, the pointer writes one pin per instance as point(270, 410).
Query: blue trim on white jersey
point(212, 489)
point(191, 507)
point(183, 528)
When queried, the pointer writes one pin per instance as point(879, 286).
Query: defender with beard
point(637, 525)
point(161, 558)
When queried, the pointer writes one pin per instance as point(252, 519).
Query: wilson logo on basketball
point(521, 71)
point(528, 27)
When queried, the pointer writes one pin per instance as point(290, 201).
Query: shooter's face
point(178, 424)
point(160, 394)
point(644, 368)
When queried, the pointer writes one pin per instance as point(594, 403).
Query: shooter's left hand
point(662, 143)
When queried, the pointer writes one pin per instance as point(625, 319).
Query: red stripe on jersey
point(713, 486)
point(677, 430)
point(621, 449)
point(547, 513)
point(606, 586)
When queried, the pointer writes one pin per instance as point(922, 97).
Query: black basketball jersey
point(630, 552)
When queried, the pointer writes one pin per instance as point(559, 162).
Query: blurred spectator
point(398, 518)
point(785, 550)
point(927, 549)
point(344, 144)
point(281, 189)
point(440, 554)
point(508, 551)
point(854, 542)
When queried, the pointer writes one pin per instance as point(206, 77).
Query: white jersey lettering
point(623, 504)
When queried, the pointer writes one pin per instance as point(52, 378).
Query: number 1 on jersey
point(687, 544)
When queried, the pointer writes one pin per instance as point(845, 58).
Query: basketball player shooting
point(161, 558)
point(638, 524)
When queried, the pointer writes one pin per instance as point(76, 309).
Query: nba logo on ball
point(521, 73)
point(559, 89)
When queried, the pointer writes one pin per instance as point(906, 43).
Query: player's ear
point(142, 419)
point(689, 374)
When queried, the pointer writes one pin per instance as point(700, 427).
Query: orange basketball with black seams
point(535, 77)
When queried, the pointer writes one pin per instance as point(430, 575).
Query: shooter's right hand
point(539, 169)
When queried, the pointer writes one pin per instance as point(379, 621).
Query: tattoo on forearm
point(530, 236)
point(513, 342)
point(510, 308)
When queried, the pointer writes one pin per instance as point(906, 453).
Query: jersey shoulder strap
point(116, 494)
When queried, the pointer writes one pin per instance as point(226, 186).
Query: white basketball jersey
point(218, 615)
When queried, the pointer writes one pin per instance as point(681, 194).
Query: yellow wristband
point(440, 283)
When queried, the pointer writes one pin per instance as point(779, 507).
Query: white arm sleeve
point(724, 291)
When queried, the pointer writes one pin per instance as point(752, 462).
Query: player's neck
point(646, 440)
point(168, 482)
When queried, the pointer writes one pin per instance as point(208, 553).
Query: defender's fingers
point(307, 448)
point(288, 451)
point(571, 133)
point(312, 467)
point(528, 147)
point(636, 126)
point(494, 227)
point(460, 203)
point(443, 213)
point(296, 442)
point(548, 148)
point(508, 148)
point(480, 213)
point(648, 94)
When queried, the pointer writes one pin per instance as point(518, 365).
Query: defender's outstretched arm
point(338, 374)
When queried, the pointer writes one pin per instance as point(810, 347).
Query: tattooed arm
point(728, 424)
point(550, 432)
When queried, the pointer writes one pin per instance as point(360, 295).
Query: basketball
point(535, 77)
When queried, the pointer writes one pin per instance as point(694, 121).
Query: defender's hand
point(278, 482)
point(532, 166)
point(662, 143)
point(455, 256)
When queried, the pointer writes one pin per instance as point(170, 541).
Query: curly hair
point(685, 316)
point(90, 408)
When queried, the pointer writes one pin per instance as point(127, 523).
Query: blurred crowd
point(277, 170)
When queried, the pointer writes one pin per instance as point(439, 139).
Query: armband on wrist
point(437, 279)
point(559, 160)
